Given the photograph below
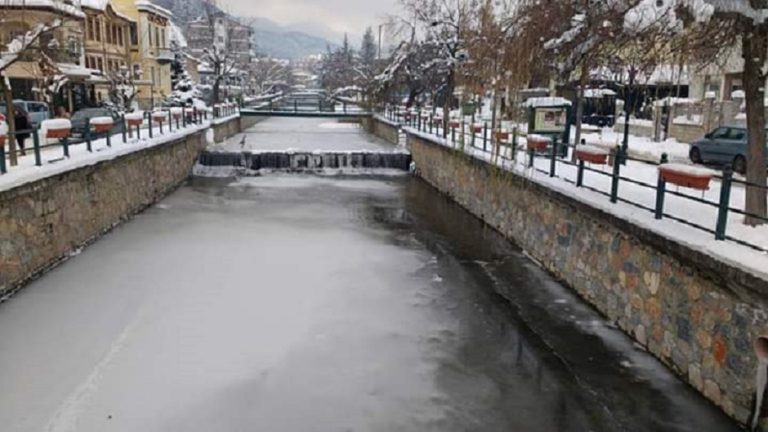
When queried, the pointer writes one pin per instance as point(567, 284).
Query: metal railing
point(510, 154)
point(122, 130)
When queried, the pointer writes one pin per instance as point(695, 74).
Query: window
point(163, 45)
point(97, 25)
point(108, 33)
point(120, 38)
point(157, 36)
point(100, 64)
point(737, 134)
point(720, 133)
point(134, 34)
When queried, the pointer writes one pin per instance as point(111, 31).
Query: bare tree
point(721, 29)
point(221, 57)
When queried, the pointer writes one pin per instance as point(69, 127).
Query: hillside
point(271, 38)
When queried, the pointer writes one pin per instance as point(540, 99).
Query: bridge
point(307, 104)
point(311, 300)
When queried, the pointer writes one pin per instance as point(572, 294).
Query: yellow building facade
point(151, 55)
point(107, 46)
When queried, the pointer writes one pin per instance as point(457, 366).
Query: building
point(151, 56)
point(223, 32)
point(107, 47)
point(53, 70)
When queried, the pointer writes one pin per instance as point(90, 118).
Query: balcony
point(164, 56)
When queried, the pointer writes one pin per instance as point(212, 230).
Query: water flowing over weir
point(307, 161)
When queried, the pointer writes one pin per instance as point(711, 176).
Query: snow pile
point(102, 121)
point(592, 150)
point(694, 120)
point(690, 170)
point(546, 102)
point(56, 124)
point(135, 116)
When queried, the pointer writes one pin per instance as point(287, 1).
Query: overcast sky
point(341, 16)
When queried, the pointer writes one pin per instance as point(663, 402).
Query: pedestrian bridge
point(307, 104)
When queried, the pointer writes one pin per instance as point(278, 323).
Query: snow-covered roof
point(101, 5)
point(58, 6)
point(147, 6)
point(542, 102)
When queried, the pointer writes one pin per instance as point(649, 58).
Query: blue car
point(724, 145)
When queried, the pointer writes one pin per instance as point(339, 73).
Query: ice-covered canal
point(309, 304)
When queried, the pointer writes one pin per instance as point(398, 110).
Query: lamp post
point(628, 94)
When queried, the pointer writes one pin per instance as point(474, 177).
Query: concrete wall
point(699, 316)
point(384, 130)
point(43, 221)
point(223, 131)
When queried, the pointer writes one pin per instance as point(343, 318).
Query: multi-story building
point(57, 54)
point(151, 55)
point(107, 46)
point(223, 32)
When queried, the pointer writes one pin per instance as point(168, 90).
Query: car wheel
point(740, 164)
point(695, 155)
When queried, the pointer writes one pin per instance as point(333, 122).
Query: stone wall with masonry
point(698, 315)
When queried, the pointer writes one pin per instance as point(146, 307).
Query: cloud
point(351, 16)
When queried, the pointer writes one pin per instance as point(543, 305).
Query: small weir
point(297, 161)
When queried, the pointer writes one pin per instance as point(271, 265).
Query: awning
point(75, 72)
point(24, 70)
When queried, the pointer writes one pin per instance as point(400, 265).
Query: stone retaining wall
point(383, 130)
point(223, 131)
point(44, 221)
point(697, 315)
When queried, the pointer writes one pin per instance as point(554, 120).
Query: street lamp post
point(628, 94)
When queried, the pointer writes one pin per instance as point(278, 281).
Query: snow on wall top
point(542, 102)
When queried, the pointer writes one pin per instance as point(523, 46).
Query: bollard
point(87, 133)
point(553, 158)
point(36, 145)
point(149, 117)
point(615, 175)
point(65, 145)
point(170, 122)
point(485, 136)
point(725, 201)
point(580, 174)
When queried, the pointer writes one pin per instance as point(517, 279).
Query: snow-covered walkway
point(637, 190)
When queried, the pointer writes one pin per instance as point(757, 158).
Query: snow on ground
point(640, 147)
point(55, 163)
point(702, 214)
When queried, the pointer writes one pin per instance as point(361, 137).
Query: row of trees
point(498, 47)
point(346, 69)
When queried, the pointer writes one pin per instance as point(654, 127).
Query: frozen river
point(308, 304)
point(305, 134)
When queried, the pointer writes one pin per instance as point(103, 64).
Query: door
point(708, 146)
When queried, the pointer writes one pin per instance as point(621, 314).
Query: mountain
point(286, 42)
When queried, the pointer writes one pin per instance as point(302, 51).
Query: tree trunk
point(10, 119)
point(580, 105)
point(447, 102)
point(754, 51)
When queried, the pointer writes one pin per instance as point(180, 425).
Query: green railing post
point(295, 106)
point(149, 122)
point(531, 155)
point(485, 136)
point(725, 202)
point(514, 143)
point(65, 145)
point(125, 128)
point(580, 174)
point(661, 191)
point(109, 138)
point(36, 146)
point(170, 122)
point(453, 134)
point(615, 175)
point(3, 168)
point(87, 133)
point(553, 158)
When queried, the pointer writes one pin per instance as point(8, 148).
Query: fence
point(553, 161)
point(156, 123)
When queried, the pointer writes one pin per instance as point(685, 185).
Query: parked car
point(38, 111)
point(724, 145)
point(79, 118)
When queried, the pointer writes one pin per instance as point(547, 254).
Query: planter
point(3, 138)
point(57, 128)
point(134, 119)
point(538, 142)
point(102, 124)
point(501, 135)
point(686, 176)
point(160, 117)
point(454, 124)
point(176, 113)
point(478, 128)
point(438, 121)
point(592, 154)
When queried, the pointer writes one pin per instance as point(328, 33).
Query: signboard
point(551, 120)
